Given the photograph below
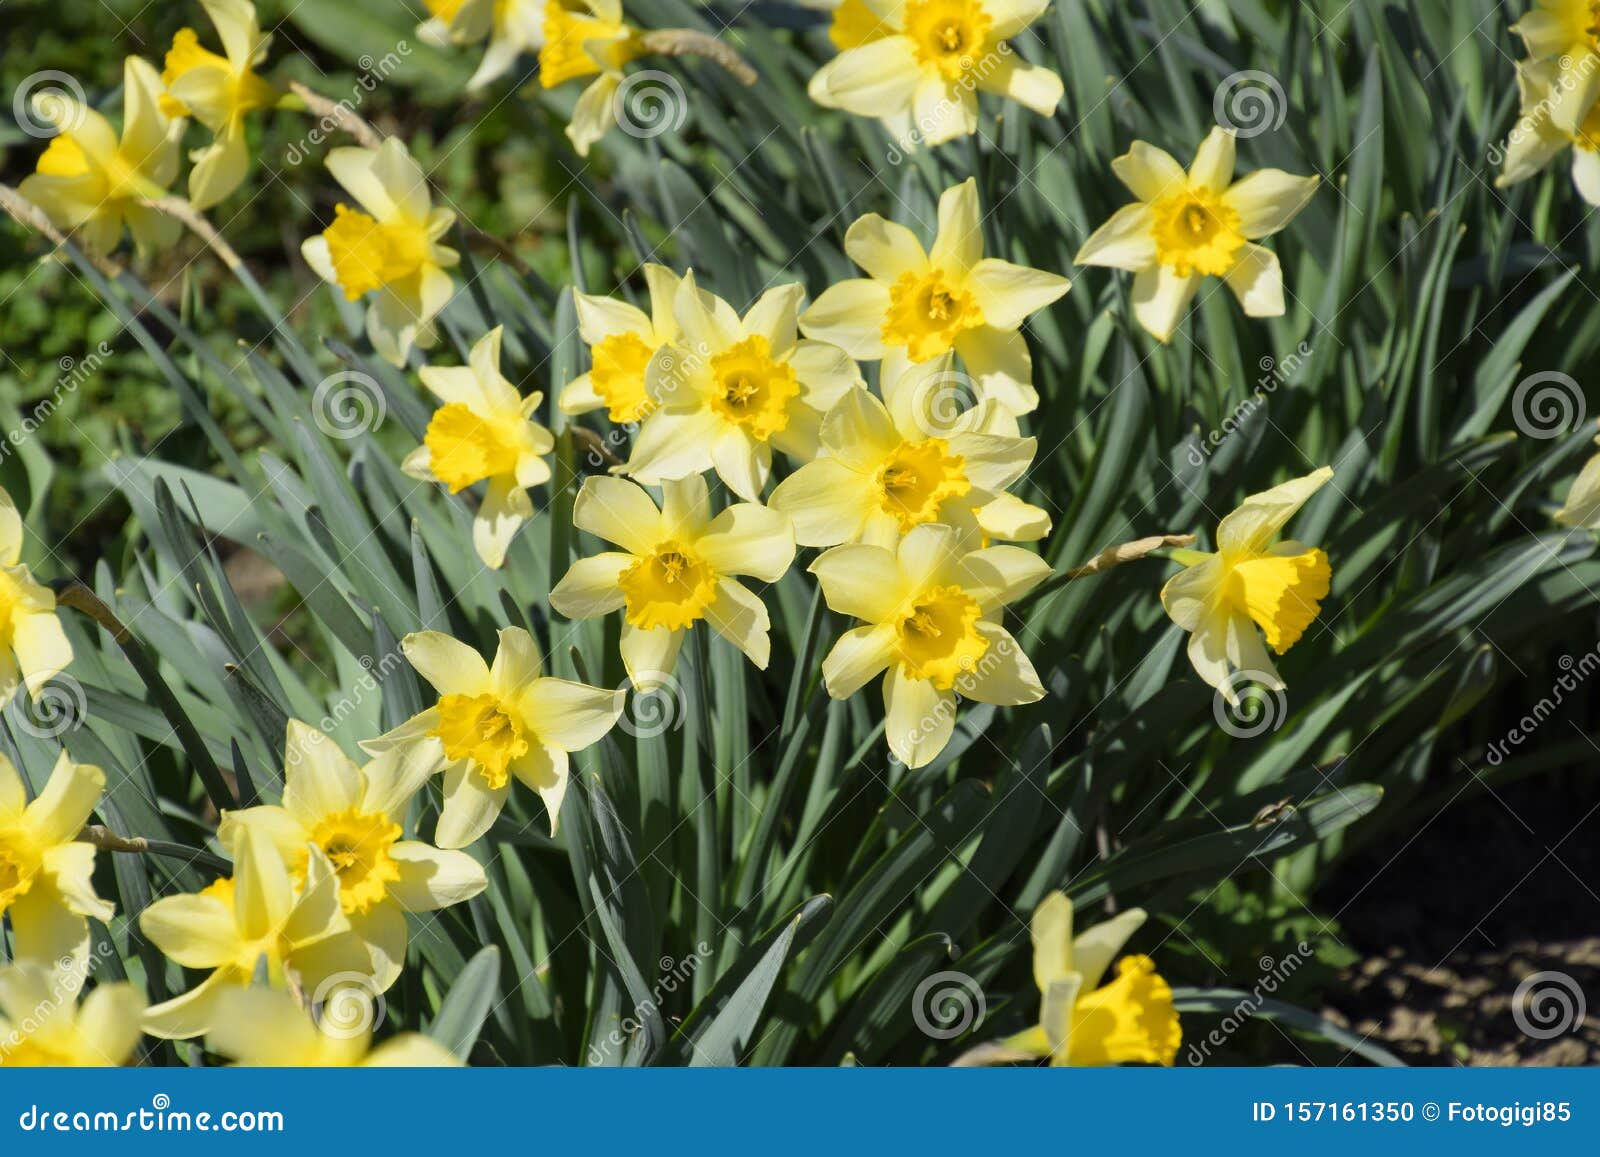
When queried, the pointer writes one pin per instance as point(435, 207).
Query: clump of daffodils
point(387, 248)
point(484, 432)
point(1251, 581)
point(1187, 226)
point(918, 66)
point(219, 91)
point(1130, 1020)
point(92, 181)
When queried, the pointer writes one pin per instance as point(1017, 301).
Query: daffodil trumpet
point(1251, 581)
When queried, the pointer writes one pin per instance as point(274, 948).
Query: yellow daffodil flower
point(920, 305)
point(356, 815)
point(918, 65)
point(676, 568)
point(622, 339)
point(1250, 582)
point(729, 389)
point(265, 1028)
point(883, 471)
point(495, 723)
point(512, 27)
point(587, 38)
point(388, 248)
point(1582, 507)
point(1536, 141)
point(33, 647)
point(932, 612)
point(219, 91)
point(91, 182)
point(1187, 226)
point(1566, 34)
point(254, 919)
point(1130, 1020)
point(484, 432)
point(46, 875)
point(43, 1025)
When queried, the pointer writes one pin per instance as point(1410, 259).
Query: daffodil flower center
point(671, 587)
point(17, 869)
point(369, 254)
point(917, 478)
point(938, 638)
point(927, 312)
point(1281, 593)
point(64, 157)
point(751, 390)
point(947, 34)
point(620, 362)
point(480, 728)
point(1130, 1020)
point(28, 1052)
point(1196, 232)
point(464, 447)
point(357, 844)
point(571, 40)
